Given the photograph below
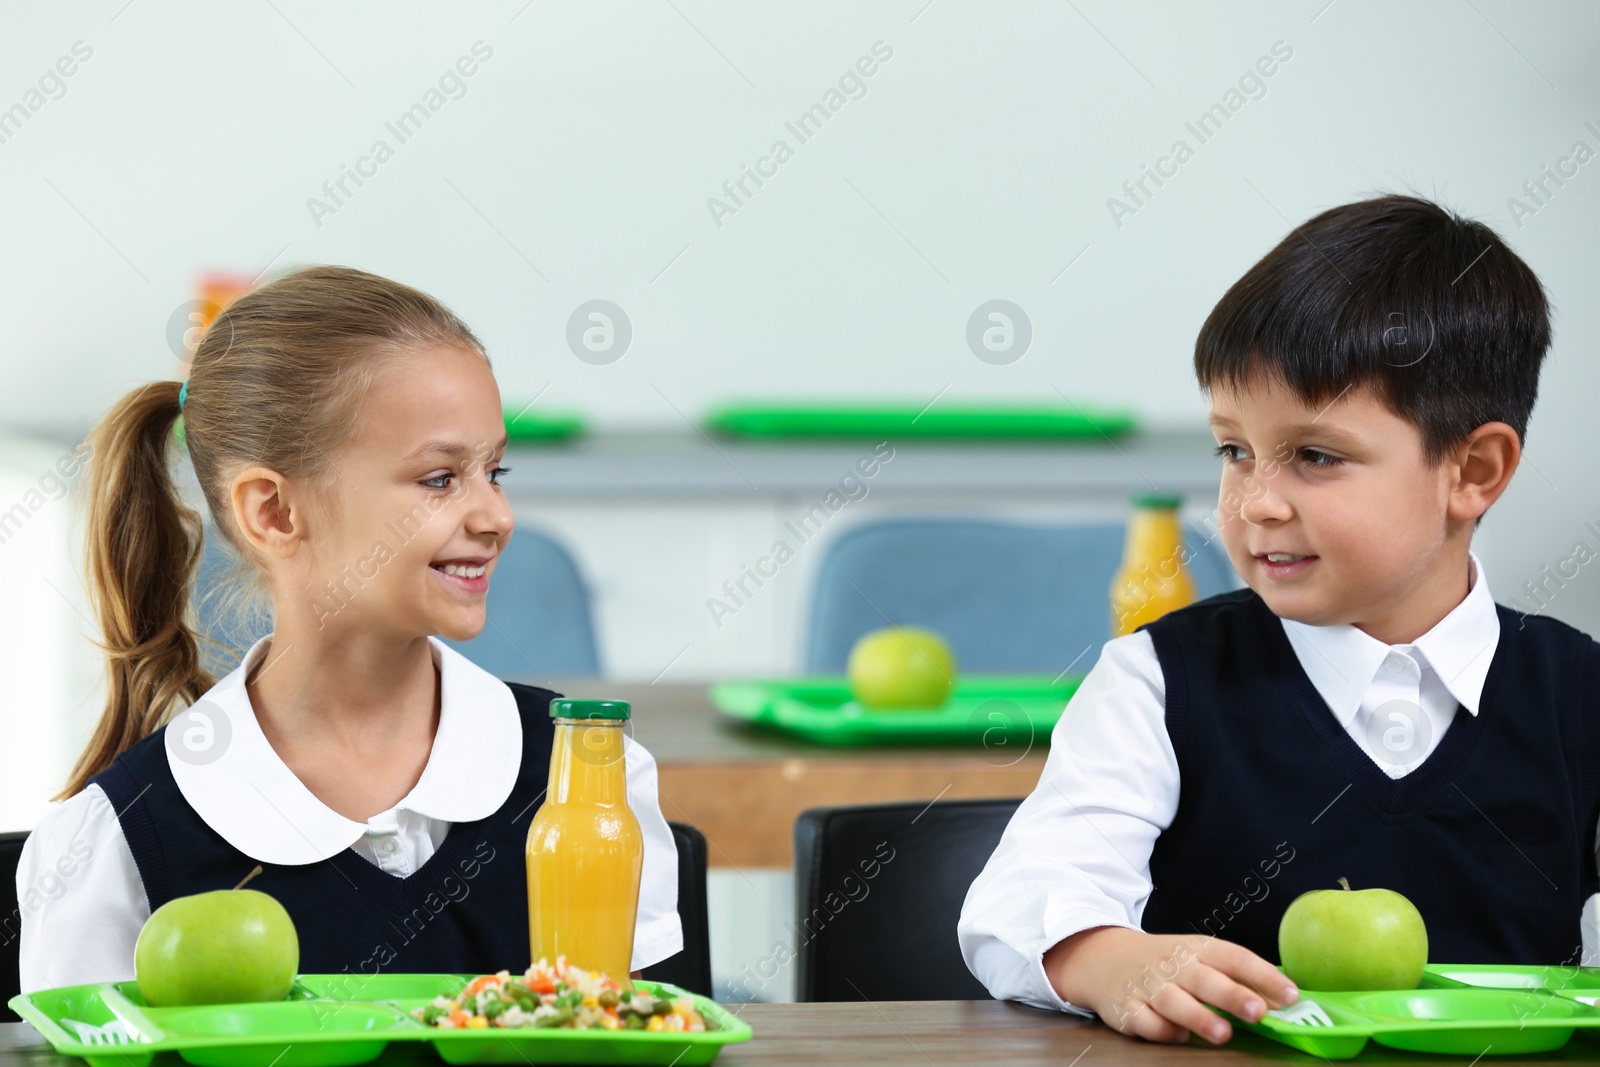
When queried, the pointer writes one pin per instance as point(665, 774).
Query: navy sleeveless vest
point(465, 910)
point(1492, 837)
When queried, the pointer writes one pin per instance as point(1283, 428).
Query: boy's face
point(1345, 488)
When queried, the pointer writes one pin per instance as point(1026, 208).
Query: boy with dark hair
point(1362, 708)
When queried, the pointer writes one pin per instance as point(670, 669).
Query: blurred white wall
point(53, 678)
point(579, 158)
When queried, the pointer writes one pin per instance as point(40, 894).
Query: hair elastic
point(183, 394)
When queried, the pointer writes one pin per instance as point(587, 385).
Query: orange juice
point(585, 852)
point(1152, 579)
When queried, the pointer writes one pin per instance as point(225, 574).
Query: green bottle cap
point(1157, 500)
point(589, 709)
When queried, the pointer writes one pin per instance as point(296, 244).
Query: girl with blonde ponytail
point(345, 432)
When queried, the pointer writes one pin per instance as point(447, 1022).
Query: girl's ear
point(264, 513)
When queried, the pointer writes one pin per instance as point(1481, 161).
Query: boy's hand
point(1157, 986)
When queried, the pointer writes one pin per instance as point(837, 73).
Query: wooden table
point(922, 1034)
point(743, 786)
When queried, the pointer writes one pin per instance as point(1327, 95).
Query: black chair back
point(10, 924)
point(691, 968)
point(878, 891)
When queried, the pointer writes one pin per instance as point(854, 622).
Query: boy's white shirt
point(81, 898)
point(1077, 853)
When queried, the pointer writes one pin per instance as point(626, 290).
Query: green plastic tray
point(530, 427)
point(333, 1020)
point(992, 710)
point(915, 420)
point(1459, 1009)
point(1580, 983)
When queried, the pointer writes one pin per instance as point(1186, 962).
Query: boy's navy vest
point(465, 910)
point(1492, 837)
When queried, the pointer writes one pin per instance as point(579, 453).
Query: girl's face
point(417, 489)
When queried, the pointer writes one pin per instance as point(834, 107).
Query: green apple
point(228, 946)
point(901, 667)
point(1353, 939)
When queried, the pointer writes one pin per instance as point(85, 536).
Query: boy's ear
point(263, 513)
point(1483, 466)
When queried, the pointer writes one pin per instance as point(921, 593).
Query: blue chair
point(1008, 597)
point(539, 625)
point(539, 622)
point(218, 621)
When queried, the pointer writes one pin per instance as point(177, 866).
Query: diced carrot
point(458, 1018)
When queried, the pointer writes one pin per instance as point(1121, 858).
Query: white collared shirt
point(1077, 853)
point(83, 902)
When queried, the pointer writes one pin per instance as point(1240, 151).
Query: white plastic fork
point(1302, 1013)
point(111, 1033)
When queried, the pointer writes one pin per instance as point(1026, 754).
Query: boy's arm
point(1053, 920)
point(1077, 853)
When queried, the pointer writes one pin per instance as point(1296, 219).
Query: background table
point(743, 786)
point(923, 1033)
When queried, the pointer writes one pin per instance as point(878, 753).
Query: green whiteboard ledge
point(991, 421)
point(528, 428)
point(521, 428)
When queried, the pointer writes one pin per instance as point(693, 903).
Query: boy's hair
point(1432, 310)
point(276, 381)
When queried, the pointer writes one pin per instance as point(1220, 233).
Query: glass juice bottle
point(1152, 579)
point(585, 851)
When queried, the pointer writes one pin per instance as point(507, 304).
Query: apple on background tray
point(901, 667)
point(228, 946)
point(1353, 940)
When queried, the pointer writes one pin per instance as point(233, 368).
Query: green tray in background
point(990, 710)
point(1459, 1009)
point(1036, 421)
point(337, 1020)
point(530, 427)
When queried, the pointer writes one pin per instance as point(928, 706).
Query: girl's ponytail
point(142, 546)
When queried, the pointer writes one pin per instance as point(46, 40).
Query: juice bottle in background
point(1152, 579)
point(585, 852)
